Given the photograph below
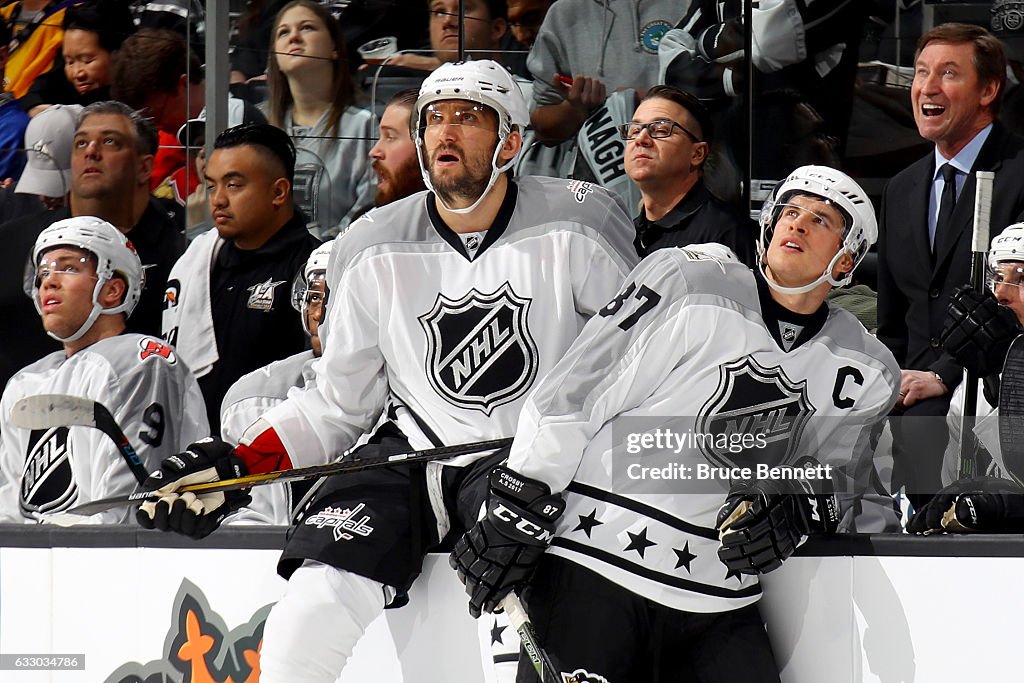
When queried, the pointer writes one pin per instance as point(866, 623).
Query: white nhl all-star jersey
point(685, 348)
point(152, 396)
point(454, 330)
point(248, 398)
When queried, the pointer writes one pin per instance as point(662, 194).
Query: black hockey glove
point(501, 551)
point(975, 505)
point(764, 521)
point(978, 331)
point(187, 513)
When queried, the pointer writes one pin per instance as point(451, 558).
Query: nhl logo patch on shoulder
point(753, 399)
point(261, 295)
point(480, 353)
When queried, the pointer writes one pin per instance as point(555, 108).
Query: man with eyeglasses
point(445, 308)
point(667, 144)
point(696, 345)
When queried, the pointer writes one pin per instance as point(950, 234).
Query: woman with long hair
point(312, 98)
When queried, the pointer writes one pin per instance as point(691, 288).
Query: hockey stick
point(979, 247)
point(520, 621)
point(46, 411)
point(354, 463)
point(1011, 411)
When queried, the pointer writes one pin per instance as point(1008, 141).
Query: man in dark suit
point(927, 215)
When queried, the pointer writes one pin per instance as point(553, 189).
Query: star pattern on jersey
point(496, 632)
point(638, 542)
point(733, 574)
point(684, 557)
point(588, 522)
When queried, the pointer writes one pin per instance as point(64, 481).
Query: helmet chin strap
point(94, 314)
point(495, 172)
point(803, 289)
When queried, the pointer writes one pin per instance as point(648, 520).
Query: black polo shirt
point(253, 319)
point(698, 217)
point(159, 241)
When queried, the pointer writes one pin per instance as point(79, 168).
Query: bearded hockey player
point(692, 333)
point(444, 309)
point(85, 281)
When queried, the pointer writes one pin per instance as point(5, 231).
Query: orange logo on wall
point(199, 648)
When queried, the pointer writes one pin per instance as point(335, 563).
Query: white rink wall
point(926, 610)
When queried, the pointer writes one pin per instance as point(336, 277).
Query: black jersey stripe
point(656, 576)
point(641, 509)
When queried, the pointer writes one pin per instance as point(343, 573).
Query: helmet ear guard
point(840, 191)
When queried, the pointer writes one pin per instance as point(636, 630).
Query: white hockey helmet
point(483, 81)
point(1007, 245)
point(115, 255)
point(314, 270)
point(860, 228)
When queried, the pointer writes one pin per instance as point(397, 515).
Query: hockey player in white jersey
point(699, 345)
point(262, 389)
point(980, 327)
point(445, 307)
point(85, 280)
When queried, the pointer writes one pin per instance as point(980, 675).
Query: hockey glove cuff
point(764, 521)
point(187, 513)
point(502, 550)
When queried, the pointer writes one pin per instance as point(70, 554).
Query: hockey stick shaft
point(47, 411)
point(979, 249)
point(351, 464)
point(520, 621)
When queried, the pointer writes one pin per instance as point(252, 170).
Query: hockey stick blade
point(520, 621)
point(47, 411)
point(1011, 410)
point(353, 464)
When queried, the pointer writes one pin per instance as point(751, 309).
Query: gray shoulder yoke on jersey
point(272, 380)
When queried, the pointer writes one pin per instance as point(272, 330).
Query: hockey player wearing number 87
point(673, 567)
point(85, 279)
point(444, 309)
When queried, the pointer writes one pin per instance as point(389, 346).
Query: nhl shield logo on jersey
point(752, 399)
point(261, 297)
point(480, 353)
point(48, 482)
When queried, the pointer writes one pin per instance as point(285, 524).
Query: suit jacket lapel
point(962, 222)
point(919, 251)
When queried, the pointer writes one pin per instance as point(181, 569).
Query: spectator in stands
point(394, 155)
point(926, 218)
point(155, 71)
point(37, 35)
point(13, 120)
point(485, 27)
point(111, 159)
point(85, 280)
point(46, 181)
point(313, 99)
point(586, 50)
point(525, 18)
point(93, 31)
point(227, 299)
point(667, 144)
